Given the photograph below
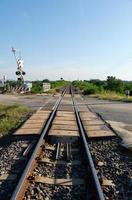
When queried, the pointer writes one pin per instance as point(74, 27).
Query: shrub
point(37, 87)
point(91, 89)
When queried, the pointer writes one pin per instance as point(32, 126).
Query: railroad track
point(16, 149)
point(61, 166)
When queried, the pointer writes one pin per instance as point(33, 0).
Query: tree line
point(112, 83)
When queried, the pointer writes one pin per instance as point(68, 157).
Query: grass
point(51, 91)
point(113, 96)
point(11, 116)
point(56, 86)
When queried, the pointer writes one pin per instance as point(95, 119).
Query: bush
point(115, 84)
point(58, 84)
point(91, 89)
point(37, 87)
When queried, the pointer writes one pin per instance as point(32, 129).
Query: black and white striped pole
point(20, 73)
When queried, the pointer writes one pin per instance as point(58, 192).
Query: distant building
point(46, 87)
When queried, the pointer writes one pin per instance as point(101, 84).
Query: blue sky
point(73, 39)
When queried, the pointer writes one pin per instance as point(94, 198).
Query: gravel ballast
point(114, 168)
point(54, 171)
point(11, 164)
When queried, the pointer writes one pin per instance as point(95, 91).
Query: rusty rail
point(23, 182)
point(87, 151)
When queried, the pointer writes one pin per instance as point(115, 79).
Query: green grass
point(56, 85)
point(11, 116)
point(52, 91)
point(113, 96)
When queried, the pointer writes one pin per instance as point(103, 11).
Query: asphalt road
point(117, 114)
point(111, 110)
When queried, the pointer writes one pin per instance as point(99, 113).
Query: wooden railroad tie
point(54, 181)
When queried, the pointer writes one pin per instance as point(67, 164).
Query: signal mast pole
point(20, 73)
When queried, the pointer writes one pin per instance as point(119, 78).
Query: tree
point(46, 80)
point(97, 82)
point(114, 84)
point(37, 87)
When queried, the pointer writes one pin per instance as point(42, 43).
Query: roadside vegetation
point(110, 89)
point(56, 85)
point(37, 86)
point(11, 116)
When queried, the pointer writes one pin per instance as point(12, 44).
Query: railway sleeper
point(54, 181)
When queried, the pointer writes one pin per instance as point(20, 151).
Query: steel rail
point(87, 150)
point(18, 192)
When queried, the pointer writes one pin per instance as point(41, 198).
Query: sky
point(73, 39)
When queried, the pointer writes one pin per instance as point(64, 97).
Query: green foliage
point(46, 80)
point(2, 90)
point(37, 87)
point(91, 89)
point(86, 86)
point(12, 83)
point(128, 86)
point(58, 84)
point(114, 84)
point(97, 82)
point(80, 84)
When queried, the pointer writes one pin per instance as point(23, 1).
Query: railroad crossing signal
point(20, 73)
